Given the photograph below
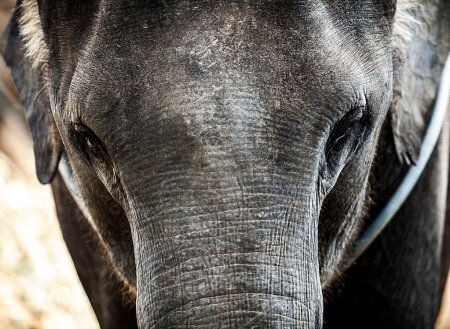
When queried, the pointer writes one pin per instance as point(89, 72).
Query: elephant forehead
point(306, 60)
point(310, 41)
point(227, 84)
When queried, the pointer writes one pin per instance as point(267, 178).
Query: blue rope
point(415, 171)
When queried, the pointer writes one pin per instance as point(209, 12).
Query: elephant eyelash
point(89, 147)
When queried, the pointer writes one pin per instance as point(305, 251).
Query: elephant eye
point(345, 139)
point(88, 145)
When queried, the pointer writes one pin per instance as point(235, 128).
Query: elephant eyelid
point(88, 145)
point(346, 137)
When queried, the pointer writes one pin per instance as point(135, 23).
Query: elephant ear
point(24, 53)
point(421, 44)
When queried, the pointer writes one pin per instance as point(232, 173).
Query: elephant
point(213, 162)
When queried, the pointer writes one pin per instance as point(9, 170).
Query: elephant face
point(220, 149)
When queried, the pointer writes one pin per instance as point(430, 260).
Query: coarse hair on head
point(31, 32)
point(404, 21)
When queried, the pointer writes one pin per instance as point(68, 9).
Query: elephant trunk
point(245, 272)
point(235, 291)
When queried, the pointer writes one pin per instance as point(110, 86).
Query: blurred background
point(39, 287)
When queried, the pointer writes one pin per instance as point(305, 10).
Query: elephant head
point(220, 149)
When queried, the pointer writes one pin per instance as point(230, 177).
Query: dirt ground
point(38, 284)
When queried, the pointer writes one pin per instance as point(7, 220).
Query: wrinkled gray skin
point(221, 153)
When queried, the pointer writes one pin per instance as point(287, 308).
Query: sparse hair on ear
point(404, 21)
point(31, 32)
